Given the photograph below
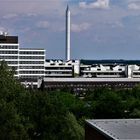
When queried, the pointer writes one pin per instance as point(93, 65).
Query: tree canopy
point(56, 115)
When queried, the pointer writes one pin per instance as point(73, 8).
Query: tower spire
point(67, 33)
point(67, 7)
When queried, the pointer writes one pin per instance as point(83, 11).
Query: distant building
point(84, 75)
point(110, 68)
point(81, 85)
point(113, 129)
point(28, 63)
point(62, 69)
point(31, 64)
point(9, 51)
point(93, 68)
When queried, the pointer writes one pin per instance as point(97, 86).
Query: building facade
point(9, 51)
point(82, 76)
point(31, 64)
point(28, 63)
point(61, 69)
point(94, 69)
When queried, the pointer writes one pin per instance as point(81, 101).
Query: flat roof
point(118, 129)
point(8, 39)
point(109, 61)
point(91, 79)
point(28, 49)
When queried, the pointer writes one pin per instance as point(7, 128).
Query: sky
point(100, 29)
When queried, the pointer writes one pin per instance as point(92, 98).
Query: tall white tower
point(67, 33)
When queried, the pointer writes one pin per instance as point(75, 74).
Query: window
point(32, 52)
point(8, 52)
point(8, 47)
point(31, 57)
point(31, 62)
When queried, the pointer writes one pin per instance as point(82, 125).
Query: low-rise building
point(30, 64)
point(112, 129)
point(60, 68)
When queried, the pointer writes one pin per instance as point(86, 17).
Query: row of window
point(69, 64)
point(58, 72)
point(14, 67)
point(94, 74)
point(29, 77)
point(31, 57)
point(8, 57)
point(12, 62)
point(58, 68)
point(31, 72)
point(8, 52)
point(31, 52)
point(136, 73)
point(99, 69)
point(31, 67)
point(31, 62)
point(8, 47)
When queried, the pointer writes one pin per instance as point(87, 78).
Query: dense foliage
point(41, 115)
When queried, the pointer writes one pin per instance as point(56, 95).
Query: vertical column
point(67, 34)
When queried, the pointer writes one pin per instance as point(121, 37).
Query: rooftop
point(118, 129)
point(91, 80)
point(32, 49)
point(119, 61)
point(8, 39)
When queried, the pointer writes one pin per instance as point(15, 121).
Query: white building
point(31, 64)
point(9, 51)
point(28, 63)
point(95, 69)
point(110, 69)
point(60, 68)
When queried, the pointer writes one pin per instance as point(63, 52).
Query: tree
point(11, 126)
point(49, 115)
point(72, 131)
point(108, 105)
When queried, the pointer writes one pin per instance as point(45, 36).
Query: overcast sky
point(100, 29)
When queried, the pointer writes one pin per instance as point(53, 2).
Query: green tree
point(11, 127)
point(108, 105)
point(49, 116)
point(72, 129)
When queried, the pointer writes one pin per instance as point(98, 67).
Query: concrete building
point(110, 68)
point(61, 68)
point(28, 63)
point(113, 129)
point(80, 86)
point(31, 64)
point(9, 51)
point(94, 69)
point(81, 76)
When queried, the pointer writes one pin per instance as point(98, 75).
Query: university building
point(28, 63)
point(32, 67)
point(9, 51)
